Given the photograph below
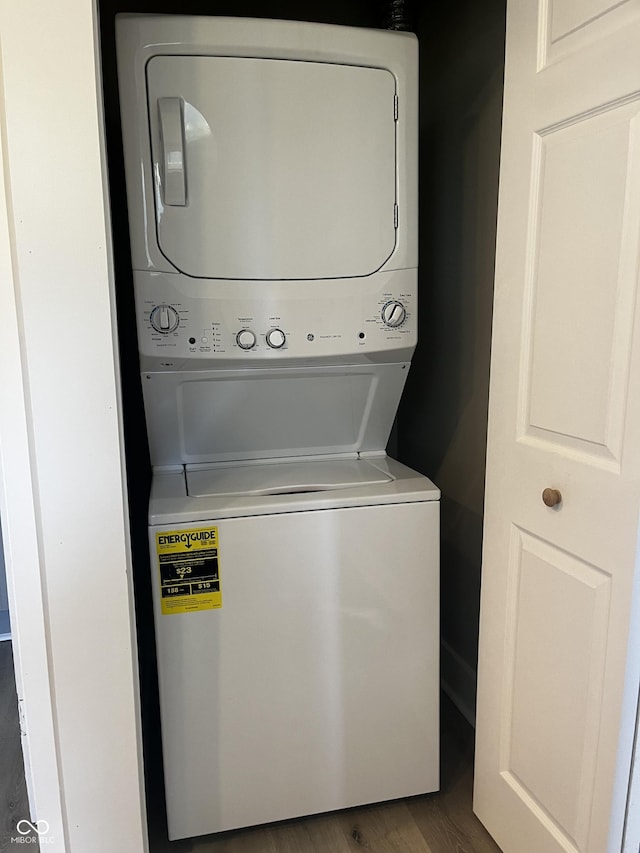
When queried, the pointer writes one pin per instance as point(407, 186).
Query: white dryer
point(271, 177)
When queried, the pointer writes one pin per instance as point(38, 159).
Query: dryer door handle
point(172, 145)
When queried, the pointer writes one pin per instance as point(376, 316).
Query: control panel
point(182, 319)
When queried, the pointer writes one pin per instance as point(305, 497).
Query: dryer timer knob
point(394, 314)
point(164, 319)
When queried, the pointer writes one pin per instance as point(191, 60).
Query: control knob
point(246, 339)
point(164, 319)
point(394, 314)
point(276, 338)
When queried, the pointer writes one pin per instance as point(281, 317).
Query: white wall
point(62, 492)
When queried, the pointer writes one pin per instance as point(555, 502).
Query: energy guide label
point(189, 569)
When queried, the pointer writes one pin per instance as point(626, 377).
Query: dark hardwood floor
point(13, 791)
point(435, 823)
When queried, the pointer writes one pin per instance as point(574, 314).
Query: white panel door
point(272, 169)
point(564, 415)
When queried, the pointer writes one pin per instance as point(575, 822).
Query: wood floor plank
point(304, 836)
point(446, 819)
point(254, 840)
point(321, 832)
point(13, 791)
point(8, 700)
point(384, 828)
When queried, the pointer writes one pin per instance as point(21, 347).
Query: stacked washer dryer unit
point(272, 176)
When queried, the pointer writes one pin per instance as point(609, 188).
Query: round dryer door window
point(272, 169)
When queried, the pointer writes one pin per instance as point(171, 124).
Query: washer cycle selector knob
point(394, 314)
point(164, 319)
point(276, 338)
point(246, 339)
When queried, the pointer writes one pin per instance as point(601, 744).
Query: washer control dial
point(246, 339)
point(394, 314)
point(164, 319)
point(276, 338)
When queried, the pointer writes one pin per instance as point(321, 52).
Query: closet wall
point(442, 420)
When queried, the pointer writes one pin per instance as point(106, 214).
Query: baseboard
point(458, 680)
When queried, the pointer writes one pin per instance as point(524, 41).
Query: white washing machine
point(271, 177)
point(312, 683)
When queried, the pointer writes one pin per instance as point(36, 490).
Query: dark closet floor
point(436, 823)
point(13, 791)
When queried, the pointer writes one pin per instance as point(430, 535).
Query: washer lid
point(272, 169)
point(281, 478)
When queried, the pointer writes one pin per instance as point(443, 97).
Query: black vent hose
point(398, 15)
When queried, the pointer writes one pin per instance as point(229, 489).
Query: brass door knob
point(551, 497)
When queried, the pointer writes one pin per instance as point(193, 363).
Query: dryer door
point(272, 169)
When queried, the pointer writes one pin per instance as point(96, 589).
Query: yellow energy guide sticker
point(189, 569)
